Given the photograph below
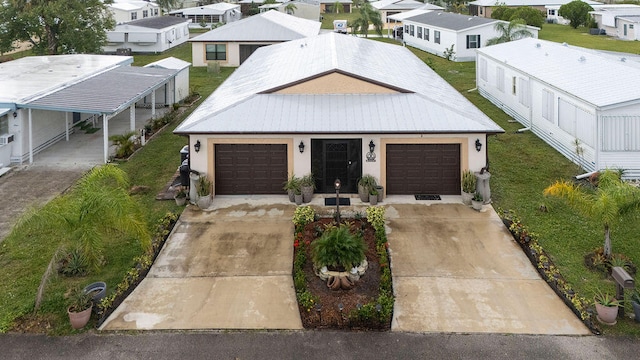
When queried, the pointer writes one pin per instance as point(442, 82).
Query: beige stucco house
point(335, 106)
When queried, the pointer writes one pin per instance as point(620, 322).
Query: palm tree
point(290, 8)
point(509, 31)
point(338, 7)
point(367, 15)
point(609, 203)
point(98, 209)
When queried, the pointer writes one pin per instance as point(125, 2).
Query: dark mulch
point(328, 316)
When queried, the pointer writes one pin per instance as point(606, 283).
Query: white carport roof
point(423, 102)
point(107, 93)
point(170, 63)
point(407, 14)
point(212, 9)
point(4, 111)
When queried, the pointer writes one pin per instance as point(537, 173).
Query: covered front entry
point(423, 169)
point(333, 159)
point(247, 50)
point(243, 169)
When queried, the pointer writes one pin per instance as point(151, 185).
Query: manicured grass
point(327, 19)
point(581, 37)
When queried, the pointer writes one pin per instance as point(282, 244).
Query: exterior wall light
point(478, 145)
point(196, 146)
point(372, 146)
point(301, 147)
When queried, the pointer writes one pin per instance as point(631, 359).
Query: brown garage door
point(423, 169)
point(250, 168)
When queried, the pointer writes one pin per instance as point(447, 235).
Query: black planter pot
point(98, 290)
point(636, 310)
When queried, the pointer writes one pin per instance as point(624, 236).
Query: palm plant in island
point(509, 31)
point(337, 247)
point(609, 203)
point(367, 15)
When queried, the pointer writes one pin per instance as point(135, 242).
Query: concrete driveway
point(458, 270)
point(229, 268)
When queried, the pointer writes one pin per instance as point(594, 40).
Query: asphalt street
point(310, 345)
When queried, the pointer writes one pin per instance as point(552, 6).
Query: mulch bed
point(328, 314)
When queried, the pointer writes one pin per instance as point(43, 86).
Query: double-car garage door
point(244, 169)
point(423, 169)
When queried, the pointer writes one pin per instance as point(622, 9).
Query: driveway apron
point(459, 270)
point(229, 268)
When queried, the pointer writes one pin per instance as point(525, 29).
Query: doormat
point(427, 197)
point(332, 201)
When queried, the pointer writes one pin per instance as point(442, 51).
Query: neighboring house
point(622, 22)
point(435, 32)
point(399, 18)
point(233, 43)
point(484, 8)
point(328, 105)
point(393, 7)
point(180, 90)
point(584, 104)
point(329, 6)
point(245, 5)
point(153, 35)
point(43, 97)
point(303, 9)
point(209, 15)
point(130, 10)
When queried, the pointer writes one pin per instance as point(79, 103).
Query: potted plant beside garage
point(203, 189)
point(290, 186)
point(468, 186)
point(476, 201)
point(307, 185)
point(365, 184)
point(181, 196)
point(373, 196)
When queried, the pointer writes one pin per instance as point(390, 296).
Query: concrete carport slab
point(229, 268)
point(459, 270)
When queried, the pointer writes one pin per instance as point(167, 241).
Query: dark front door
point(336, 159)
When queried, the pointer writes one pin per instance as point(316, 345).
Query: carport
point(105, 95)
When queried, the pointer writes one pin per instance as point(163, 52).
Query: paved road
point(310, 345)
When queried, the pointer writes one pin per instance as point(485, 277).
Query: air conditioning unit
point(6, 138)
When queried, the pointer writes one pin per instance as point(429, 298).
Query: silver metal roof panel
point(595, 78)
point(450, 21)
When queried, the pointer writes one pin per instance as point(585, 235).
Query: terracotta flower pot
point(607, 314)
point(79, 319)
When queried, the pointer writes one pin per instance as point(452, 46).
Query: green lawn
point(581, 37)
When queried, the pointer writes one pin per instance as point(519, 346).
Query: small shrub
point(73, 263)
point(338, 247)
point(303, 216)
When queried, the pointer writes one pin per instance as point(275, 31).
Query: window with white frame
point(4, 124)
point(216, 52)
point(145, 13)
point(155, 12)
point(134, 15)
point(500, 78)
point(548, 103)
point(523, 96)
point(552, 12)
point(483, 68)
point(436, 36)
point(411, 30)
point(419, 32)
point(513, 85)
point(406, 29)
point(473, 41)
point(426, 34)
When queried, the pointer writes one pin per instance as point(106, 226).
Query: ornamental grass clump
point(337, 247)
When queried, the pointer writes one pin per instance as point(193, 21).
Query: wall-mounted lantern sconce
point(371, 155)
point(15, 114)
point(301, 147)
point(372, 146)
point(478, 145)
point(196, 146)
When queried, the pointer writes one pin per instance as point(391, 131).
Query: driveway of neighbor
point(229, 268)
point(458, 270)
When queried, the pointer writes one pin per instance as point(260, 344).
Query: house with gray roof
point(484, 8)
point(150, 35)
point(231, 44)
point(43, 98)
point(393, 7)
point(584, 104)
point(440, 33)
point(339, 107)
point(206, 16)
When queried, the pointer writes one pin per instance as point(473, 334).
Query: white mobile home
point(152, 35)
point(129, 10)
point(584, 104)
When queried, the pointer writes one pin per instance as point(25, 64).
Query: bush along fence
point(548, 270)
point(135, 275)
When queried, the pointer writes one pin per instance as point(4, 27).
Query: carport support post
point(153, 104)
point(132, 117)
point(66, 126)
point(105, 136)
point(30, 138)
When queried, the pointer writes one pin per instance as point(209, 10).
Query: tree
point(55, 26)
point(167, 5)
point(338, 7)
point(531, 16)
point(577, 12)
point(97, 210)
point(513, 30)
point(612, 201)
point(367, 15)
point(290, 8)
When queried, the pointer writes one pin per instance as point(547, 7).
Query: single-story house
point(129, 10)
point(399, 18)
point(233, 43)
point(180, 90)
point(207, 16)
point(392, 7)
point(620, 22)
point(438, 32)
point(246, 5)
point(484, 8)
point(151, 35)
point(329, 6)
point(43, 97)
point(303, 9)
point(584, 104)
point(331, 106)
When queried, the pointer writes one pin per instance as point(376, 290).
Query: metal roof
point(214, 9)
point(396, 4)
point(31, 76)
point(267, 26)
point(106, 93)
point(407, 14)
point(451, 21)
point(170, 63)
point(4, 111)
point(527, 2)
point(278, 66)
point(592, 77)
point(156, 22)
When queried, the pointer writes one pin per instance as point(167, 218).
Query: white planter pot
point(466, 198)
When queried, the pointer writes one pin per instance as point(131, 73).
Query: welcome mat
point(332, 201)
point(427, 197)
